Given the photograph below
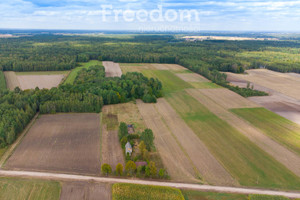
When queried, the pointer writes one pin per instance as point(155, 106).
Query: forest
point(89, 93)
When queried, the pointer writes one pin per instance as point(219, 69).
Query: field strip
point(15, 144)
point(191, 77)
point(288, 158)
point(112, 69)
point(209, 168)
point(11, 80)
point(65, 177)
point(178, 165)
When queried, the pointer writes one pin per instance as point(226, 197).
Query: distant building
point(128, 148)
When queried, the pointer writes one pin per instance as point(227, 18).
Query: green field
point(266, 197)
point(198, 195)
point(73, 74)
point(170, 81)
point(43, 73)
point(20, 189)
point(204, 85)
point(275, 126)
point(2, 81)
point(124, 191)
point(247, 163)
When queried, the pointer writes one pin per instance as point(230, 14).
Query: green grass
point(124, 191)
point(247, 163)
point(266, 197)
point(72, 76)
point(278, 128)
point(111, 121)
point(204, 85)
point(43, 73)
point(2, 81)
point(2, 151)
point(130, 64)
point(185, 71)
point(170, 81)
point(198, 195)
point(20, 189)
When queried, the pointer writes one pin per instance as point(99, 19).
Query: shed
point(130, 128)
point(128, 148)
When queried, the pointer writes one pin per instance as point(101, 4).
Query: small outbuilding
point(128, 149)
point(130, 128)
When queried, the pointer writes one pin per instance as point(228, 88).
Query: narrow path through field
point(288, 158)
point(210, 169)
point(66, 177)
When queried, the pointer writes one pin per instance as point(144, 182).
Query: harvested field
point(280, 82)
point(85, 191)
point(173, 67)
point(177, 163)
point(66, 143)
point(20, 189)
point(191, 77)
point(286, 157)
point(228, 99)
point(245, 161)
point(112, 69)
point(11, 80)
point(138, 67)
point(112, 153)
point(210, 169)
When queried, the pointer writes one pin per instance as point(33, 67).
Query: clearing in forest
point(112, 69)
point(66, 143)
point(19, 189)
point(247, 163)
point(85, 191)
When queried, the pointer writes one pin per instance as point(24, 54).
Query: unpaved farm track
point(68, 177)
point(288, 158)
point(85, 191)
point(112, 152)
point(67, 143)
point(178, 164)
point(210, 169)
point(112, 69)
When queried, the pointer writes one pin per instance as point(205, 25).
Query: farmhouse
point(128, 148)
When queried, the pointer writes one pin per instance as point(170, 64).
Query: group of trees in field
point(90, 91)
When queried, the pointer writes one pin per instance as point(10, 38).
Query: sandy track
point(85, 191)
point(288, 158)
point(228, 99)
point(69, 177)
point(112, 69)
point(11, 80)
point(210, 169)
point(191, 77)
point(178, 164)
point(40, 81)
point(112, 152)
point(67, 143)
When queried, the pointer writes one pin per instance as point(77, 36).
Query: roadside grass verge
point(2, 81)
point(245, 161)
point(125, 191)
point(278, 128)
point(73, 74)
point(20, 189)
point(170, 81)
point(199, 195)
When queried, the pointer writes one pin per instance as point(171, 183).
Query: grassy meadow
point(278, 128)
point(73, 74)
point(198, 195)
point(247, 163)
point(124, 191)
point(20, 189)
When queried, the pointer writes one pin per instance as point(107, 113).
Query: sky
point(155, 15)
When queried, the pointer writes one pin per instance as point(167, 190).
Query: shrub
point(106, 169)
point(119, 169)
point(130, 167)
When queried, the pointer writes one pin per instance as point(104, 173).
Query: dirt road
point(66, 177)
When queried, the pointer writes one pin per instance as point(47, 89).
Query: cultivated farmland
point(20, 189)
point(112, 69)
point(85, 191)
point(68, 143)
point(138, 67)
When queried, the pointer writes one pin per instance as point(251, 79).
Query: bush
point(123, 132)
point(161, 173)
point(106, 169)
point(130, 167)
point(153, 170)
point(119, 169)
point(148, 137)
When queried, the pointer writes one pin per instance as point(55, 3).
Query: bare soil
point(279, 152)
point(40, 81)
point(174, 159)
point(210, 169)
point(112, 153)
point(112, 69)
point(68, 143)
point(11, 80)
point(85, 191)
point(150, 66)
